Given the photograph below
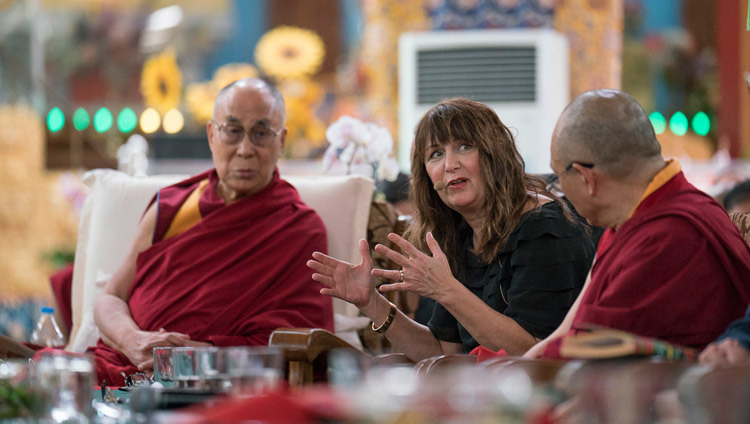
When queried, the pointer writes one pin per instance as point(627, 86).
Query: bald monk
point(219, 259)
point(671, 264)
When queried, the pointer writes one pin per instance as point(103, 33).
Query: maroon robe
point(232, 278)
point(677, 270)
point(62, 286)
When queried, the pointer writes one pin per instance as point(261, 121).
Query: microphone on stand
point(439, 186)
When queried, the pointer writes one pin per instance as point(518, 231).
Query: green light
point(701, 123)
point(102, 120)
point(678, 124)
point(126, 120)
point(658, 121)
point(55, 119)
point(80, 119)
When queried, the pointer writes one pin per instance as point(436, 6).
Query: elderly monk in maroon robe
point(671, 264)
point(219, 259)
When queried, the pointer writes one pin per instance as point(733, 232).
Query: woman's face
point(456, 164)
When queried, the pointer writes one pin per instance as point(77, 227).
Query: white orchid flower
point(360, 156)
point(380, 144)
point(347, 155)
point(329, 158)
point(346, 130)
point(387, 169)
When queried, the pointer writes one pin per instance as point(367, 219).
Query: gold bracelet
point(388, 321)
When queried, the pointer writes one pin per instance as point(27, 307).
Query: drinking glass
point(254, 369)
point(183, 360)
point(66, 380)
point(211, 367)
point(163, 365)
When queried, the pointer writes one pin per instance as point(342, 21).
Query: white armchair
point(116, 201)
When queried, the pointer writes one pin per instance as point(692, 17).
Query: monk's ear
point(282, 137)
point(210, 133)
point(590, 176)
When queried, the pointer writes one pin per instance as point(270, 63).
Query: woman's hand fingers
point(364, 253)
point(406, 247)
point(319, 267)
point(326, 280)
point(392, 255)
point(393, 287)
point(327, 260)
point(389, 274)
point(434, 246)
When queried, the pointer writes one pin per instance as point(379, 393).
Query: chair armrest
point(306, 344)
point(10, 348)
point(393, 358)
point(304, 348)
point(441, 363)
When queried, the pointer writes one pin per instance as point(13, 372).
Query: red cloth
point(484, 353)
point(231, 279)
point(677, 270)
point(62, 283)
point(314, 404)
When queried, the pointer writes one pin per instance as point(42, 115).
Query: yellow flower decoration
point(199, 98)
point(161, 81)
point(232, 72)
point(290, 52)
point(306, 130)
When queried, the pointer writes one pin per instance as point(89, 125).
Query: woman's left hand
point(428, 276)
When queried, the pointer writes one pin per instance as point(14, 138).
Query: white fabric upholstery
point(116, 201)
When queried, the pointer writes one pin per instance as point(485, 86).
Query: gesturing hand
point(425, 275)
point(351, 283)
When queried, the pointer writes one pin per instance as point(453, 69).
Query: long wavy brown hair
point(507, 186)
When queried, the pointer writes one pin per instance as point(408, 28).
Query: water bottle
point(47, 333)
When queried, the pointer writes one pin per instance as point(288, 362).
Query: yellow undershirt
point(673, 168)
point(189, 213)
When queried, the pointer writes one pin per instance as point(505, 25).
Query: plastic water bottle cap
point(48, 310)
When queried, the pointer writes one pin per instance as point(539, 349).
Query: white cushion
point(116, 201)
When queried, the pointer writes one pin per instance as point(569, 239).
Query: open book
point(604, 343)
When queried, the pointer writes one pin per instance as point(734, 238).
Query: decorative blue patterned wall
point(472, 14)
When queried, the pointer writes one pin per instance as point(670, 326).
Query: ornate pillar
point(385, 20)
point(35, 217)
point(733, 56)
point(594, 31)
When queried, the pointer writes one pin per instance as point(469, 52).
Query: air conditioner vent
point(486, 74)
point(522, 74)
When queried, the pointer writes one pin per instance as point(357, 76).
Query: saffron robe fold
point(233, 277)
point(677, 270)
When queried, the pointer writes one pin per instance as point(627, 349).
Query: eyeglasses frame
point(553, 186)
point(247, 133)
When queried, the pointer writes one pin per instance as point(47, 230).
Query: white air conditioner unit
point(521, 74)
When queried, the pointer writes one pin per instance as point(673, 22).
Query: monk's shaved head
point(607, 128)
point(259, 84)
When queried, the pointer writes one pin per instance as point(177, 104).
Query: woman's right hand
point(352, 283)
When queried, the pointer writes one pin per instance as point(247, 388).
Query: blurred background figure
point(397, 193)
point(738, 198)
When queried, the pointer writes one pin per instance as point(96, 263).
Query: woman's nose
point(451, 161)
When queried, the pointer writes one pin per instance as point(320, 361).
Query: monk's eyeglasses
point(233, 134)
point(554, 187)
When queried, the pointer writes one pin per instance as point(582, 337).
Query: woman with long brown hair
point(502, 258)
